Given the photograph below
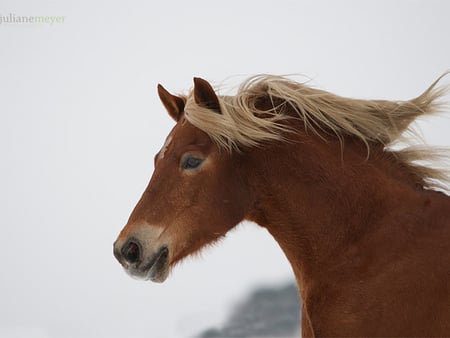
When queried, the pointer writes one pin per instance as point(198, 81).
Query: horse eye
point(190, 162)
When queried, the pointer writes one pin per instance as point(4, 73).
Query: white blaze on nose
point(165, 146)
point(149, 237)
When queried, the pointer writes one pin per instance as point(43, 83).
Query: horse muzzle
point(140, 259)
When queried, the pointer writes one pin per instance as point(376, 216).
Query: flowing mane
point(244, 124)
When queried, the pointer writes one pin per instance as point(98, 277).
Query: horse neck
point(317, 200)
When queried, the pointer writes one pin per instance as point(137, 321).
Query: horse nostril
point(131, 252)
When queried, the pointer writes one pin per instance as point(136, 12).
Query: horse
point(365, 224)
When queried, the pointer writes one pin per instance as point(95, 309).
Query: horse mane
point(243, 123)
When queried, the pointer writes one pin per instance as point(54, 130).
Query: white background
point(80, 122)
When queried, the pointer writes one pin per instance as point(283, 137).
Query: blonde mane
point(242, 124)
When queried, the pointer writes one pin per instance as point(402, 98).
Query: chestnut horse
point(361, 222)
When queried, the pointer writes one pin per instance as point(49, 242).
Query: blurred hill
point(268, 312)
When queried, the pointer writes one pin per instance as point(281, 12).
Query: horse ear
point(173, 104)
point(205, 96)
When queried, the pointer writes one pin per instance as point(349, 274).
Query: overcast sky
point(81, 122)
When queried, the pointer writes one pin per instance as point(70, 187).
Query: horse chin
point(158, 266)
point(159, 277)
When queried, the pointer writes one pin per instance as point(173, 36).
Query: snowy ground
point(267, 312)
